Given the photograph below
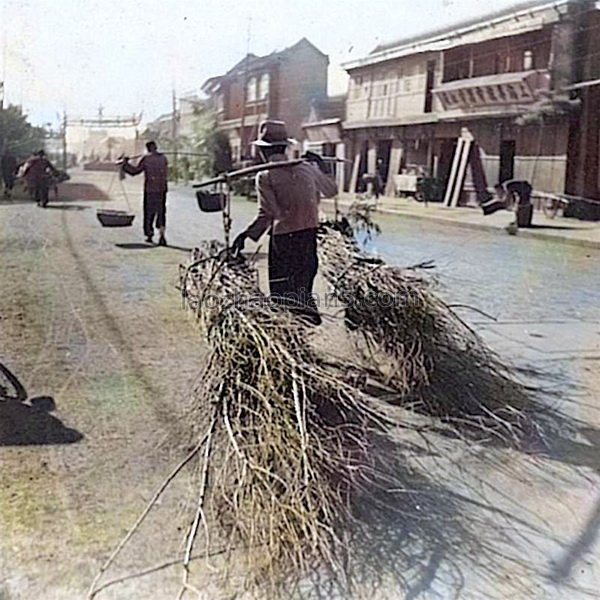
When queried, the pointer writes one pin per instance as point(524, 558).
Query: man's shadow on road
point(146, 246)
point(72, 207)
point(28, 422)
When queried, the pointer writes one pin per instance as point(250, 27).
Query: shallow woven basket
point(115, 218)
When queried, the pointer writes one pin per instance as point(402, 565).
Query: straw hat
point(273, 133)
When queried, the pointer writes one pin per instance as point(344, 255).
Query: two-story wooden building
point(505, 80)
point(281, 85)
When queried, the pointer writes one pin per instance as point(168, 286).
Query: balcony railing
point(492, 92)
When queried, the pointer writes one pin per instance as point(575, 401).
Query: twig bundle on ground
point(301, 478)
point(296, 448)
point(303, 469)
point(421, 348)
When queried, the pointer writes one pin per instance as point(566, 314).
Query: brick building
point(281, 85)
point(519, 82)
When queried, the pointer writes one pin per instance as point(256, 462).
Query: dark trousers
point(9, 180)
point(41, 193)
point(155, 212)
point(293, 265)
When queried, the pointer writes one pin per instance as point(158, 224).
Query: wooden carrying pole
point(224, 186)
point(248, 171)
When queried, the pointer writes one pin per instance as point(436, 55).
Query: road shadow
point(26, 422)
point(576, 452)
point(135, 246)
point(420, 539)
point(523, 411)
point(76, 207)
point(561, 569)
point(555, 227)
point(16, 201)
point(144, 246)
point(179, 248)
point(82, 191)
point(584, 455)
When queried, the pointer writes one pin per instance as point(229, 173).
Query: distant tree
point(210, 143)
point(203, 152)
point(17, 135)
point(219, 150)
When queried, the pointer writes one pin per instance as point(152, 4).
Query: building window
point(385, 89)
point(358, 80)
point(528, 60)
point(263, 88)
point(251, 90)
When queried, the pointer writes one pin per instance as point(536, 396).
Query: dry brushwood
point(302, 481)
point(421, 348)
point(295, 446)
point(299, 459)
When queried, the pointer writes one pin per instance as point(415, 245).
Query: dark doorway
point(362, 167)
point(329, 150)
point(446, 157)
point(508, 150)
point(384, 149)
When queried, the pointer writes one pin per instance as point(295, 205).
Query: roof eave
point(421, 46)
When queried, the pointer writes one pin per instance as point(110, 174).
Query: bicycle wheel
point(10, 386)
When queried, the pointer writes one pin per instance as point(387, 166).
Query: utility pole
point(245, 93)
point(174, 134)
point(4, 54)
point(64, 141)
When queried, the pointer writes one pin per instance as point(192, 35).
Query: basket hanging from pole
point(117, 218)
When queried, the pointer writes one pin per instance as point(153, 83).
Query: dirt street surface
point(99, 329)
point(91, 324)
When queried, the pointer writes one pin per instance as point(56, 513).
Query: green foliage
point(17, 135)
point(219, 150)
point(211, 143)
point(203, 152)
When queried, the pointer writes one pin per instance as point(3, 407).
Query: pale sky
point(126, 55)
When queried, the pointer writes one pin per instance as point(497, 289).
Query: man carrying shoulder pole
point(155, 167)
point(288, 206)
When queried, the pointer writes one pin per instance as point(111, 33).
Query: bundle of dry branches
point(301, 479)
point(298, 448)
point(296, 460)
point(420, 347)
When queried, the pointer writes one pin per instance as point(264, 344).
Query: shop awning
point(493, 90)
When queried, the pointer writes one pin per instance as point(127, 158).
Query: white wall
point(390, 91)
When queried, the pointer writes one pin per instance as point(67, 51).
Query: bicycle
point(11, 388)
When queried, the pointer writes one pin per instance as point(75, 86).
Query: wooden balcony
point(506, 93)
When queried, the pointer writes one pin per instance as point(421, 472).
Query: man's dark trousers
point(293, 265)
point(41, 194)
point(155, 211)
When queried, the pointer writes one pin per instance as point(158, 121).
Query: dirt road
point(97, 328)
point(91, 323)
